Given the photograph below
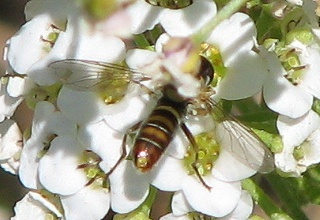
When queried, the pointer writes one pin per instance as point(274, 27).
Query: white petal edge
point(128, 188)
point(10, 139)
point(58, 168)
point(219, 201)
point(243, 209)
point(88, 204)
point(182, 22)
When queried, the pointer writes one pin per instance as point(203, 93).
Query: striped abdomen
point(157, 132)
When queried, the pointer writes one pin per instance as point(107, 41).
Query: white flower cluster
point(69, 159)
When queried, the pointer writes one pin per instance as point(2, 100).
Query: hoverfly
point(171, 4)
point(157, 131)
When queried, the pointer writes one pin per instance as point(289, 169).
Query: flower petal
point(87, 105)
point(219, 201)
point(243, 209)
point(35, 206)
point(182, 22)
point(10, 139)
point(27, 46)
point(312, 153)
point(245, 77)
point(104, 141)
point(310, 79)
point(132, 109)
point(279, 94)
point(147, 19)
point(8, 104)
point(61, 163)
point(168, 174)
point(179, 204)
point(293, 133)
point(128, 188)
point(89, 203)
point(232, 36)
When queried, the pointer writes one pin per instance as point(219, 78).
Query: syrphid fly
point(157, 131)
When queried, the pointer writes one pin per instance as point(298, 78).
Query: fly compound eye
point(206, 71)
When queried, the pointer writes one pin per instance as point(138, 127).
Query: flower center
point(291, 63)
point(46, 145)
point(43, 93)
point(90, 164)
point(50, 38)
point(206, 154)
point(113, 91)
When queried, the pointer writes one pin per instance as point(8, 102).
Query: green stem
point(287, 196)
point(260, 197)
point(147, 205)
point(229, 9)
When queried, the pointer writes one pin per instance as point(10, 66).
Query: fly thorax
point(171, 93)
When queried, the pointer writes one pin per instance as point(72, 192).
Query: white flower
point(30, 46)
point(105, 138)
point(34, 205)
point(80, 138)
point(89, 203)
point(128, 187)
point(222, 198)
point(304, 133)
point(280, 94)
point(10, 145)
point(91, 108)
point(309, 57)
point(169, 174)
point(176, 22)
point(46, 125)
point(183, 211)
point(235, 38)
point(8, 103)
point(51, 158)
point(42, 40)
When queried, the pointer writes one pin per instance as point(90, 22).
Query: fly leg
point(196, 149)
point(122, 156)
point(124, 150)
point(98, 160)
point(92, 163)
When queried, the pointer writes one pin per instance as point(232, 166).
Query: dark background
point(11, 18)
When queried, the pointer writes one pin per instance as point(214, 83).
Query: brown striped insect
point(157, 131)
point(172, 4)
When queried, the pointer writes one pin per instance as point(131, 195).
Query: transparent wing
point(89, 75)
point(245, 145)
point(242, 142)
